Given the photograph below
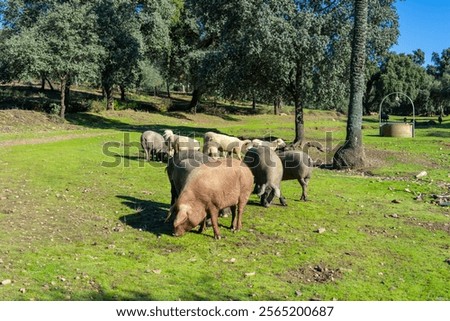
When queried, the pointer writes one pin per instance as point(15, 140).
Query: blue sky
point(424, 24)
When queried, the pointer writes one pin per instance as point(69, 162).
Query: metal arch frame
point(413, 109)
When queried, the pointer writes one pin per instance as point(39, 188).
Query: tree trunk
point(122, 92)
point(351, 154)
point(109, 97)
point(62, 112)
point(277, 105)
point(254, 102)
point(42, 82)
point(67, 94)
point(196, 96)
point(299, 122)
point(50, 84)
point(168, 88)
point(45, 79)
point(295, 89)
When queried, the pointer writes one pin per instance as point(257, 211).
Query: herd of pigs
point(204, 183)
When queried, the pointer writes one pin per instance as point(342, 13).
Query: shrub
point(122, 105)
point(97, 106)
point(54, 109)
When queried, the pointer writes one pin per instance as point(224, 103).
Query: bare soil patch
point(430, 226)
point(379, 158)
point(44, 140)
point(319, 273)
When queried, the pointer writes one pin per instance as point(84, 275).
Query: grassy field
point(82, 216)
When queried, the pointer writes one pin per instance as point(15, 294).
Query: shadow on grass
point(148, 215)
point(140, 159)
point(435, 129)
point(98, 122)
point(151, 216)
point(214, 109)
point(32, 97)
point(95, 121)
point(441, 133)
point(182, 292)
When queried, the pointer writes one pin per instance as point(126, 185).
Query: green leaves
point(402, 73)
point(84, 41)
point(118, 28)
point(21, 56)
point(56, 38)
point(71, 44)
point(297, 51)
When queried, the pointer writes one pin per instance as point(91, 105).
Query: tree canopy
point(297, 50)
point(272, 51)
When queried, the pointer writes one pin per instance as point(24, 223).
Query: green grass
point(75, 228)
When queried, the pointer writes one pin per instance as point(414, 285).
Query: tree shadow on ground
point(121, 292)
point(152, 217)
point(438, 130)
point(214, 109)
point(99, 122)
point(148, 215)
point(439, 133)
point(432, 124)
point(423, 122)
point(32, 97)
point(96, 121)
point(370, 120)
point(182, 292)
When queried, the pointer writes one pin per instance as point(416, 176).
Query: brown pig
point(211, 187)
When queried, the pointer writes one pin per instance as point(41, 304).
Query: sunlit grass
point(79, 223)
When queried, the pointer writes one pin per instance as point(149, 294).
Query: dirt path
point(44, 140)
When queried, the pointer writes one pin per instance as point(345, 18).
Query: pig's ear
point(181, 218)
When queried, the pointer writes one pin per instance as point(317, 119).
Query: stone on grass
point(421, 174)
